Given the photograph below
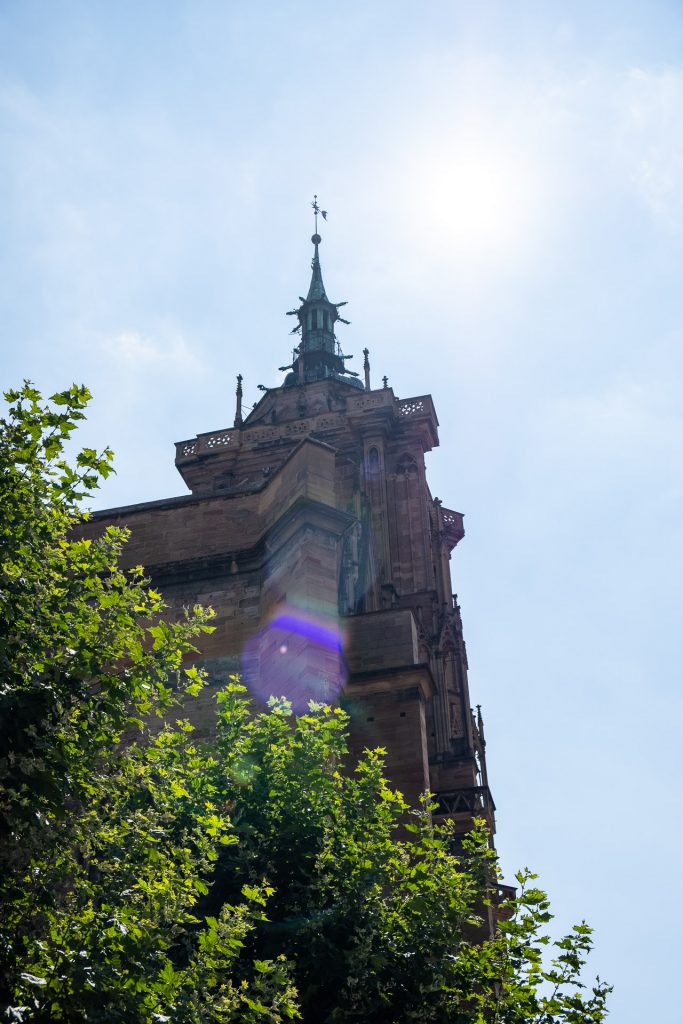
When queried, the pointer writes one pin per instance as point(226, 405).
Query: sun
point(478, 203)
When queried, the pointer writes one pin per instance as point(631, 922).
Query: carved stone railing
point(451, 518)
point(475, 800)
point(204, 443)
point(454, 526)
point(413, 406)
point(370, 400)
point(218, 440)
point(185, 449)
point(421, 414)
point(506, 892)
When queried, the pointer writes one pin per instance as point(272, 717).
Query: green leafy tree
point(101, 868)
point(250, 879)
point(378, 928)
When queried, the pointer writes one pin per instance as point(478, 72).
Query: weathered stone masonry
point(311, 530)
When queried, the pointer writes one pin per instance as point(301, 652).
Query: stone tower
point(311, 530)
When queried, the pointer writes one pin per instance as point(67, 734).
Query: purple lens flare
point(298, 656)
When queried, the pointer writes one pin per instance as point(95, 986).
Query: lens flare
point(297, 656)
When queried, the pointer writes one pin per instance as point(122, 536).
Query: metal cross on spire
point(316, 211)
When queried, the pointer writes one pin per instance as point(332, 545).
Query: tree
point(99, 872)
point(377, 928)
point(247, 879)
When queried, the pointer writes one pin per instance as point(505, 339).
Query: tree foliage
point(101, 863)
point(248, 879)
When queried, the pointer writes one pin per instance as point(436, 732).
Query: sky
point(504, 184)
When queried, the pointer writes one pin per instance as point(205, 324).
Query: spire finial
point(238, 404)
point(323, 213)
point(480, 725)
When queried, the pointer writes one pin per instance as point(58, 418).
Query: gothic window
point(373, 464)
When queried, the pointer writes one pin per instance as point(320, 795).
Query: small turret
point(318, 354)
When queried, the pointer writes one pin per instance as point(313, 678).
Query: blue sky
point(505, 187)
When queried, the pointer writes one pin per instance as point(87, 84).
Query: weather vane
point(316, 211)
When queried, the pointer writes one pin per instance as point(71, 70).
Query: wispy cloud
point(169, 351)
point(652, 140)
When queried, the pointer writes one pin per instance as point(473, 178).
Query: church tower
point(311, 530)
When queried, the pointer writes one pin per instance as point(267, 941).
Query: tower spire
point(316, 292)
point(318, 354)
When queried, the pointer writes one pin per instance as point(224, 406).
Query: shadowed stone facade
point(311, 530)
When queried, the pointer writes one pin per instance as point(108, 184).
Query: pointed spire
point(238, 401)
point(316, 293)
point(480, 724)
point(318, 355)
point(366, 368)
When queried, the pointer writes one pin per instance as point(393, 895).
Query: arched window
point(373, 464)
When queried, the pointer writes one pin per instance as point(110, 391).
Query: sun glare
point(479, 205)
